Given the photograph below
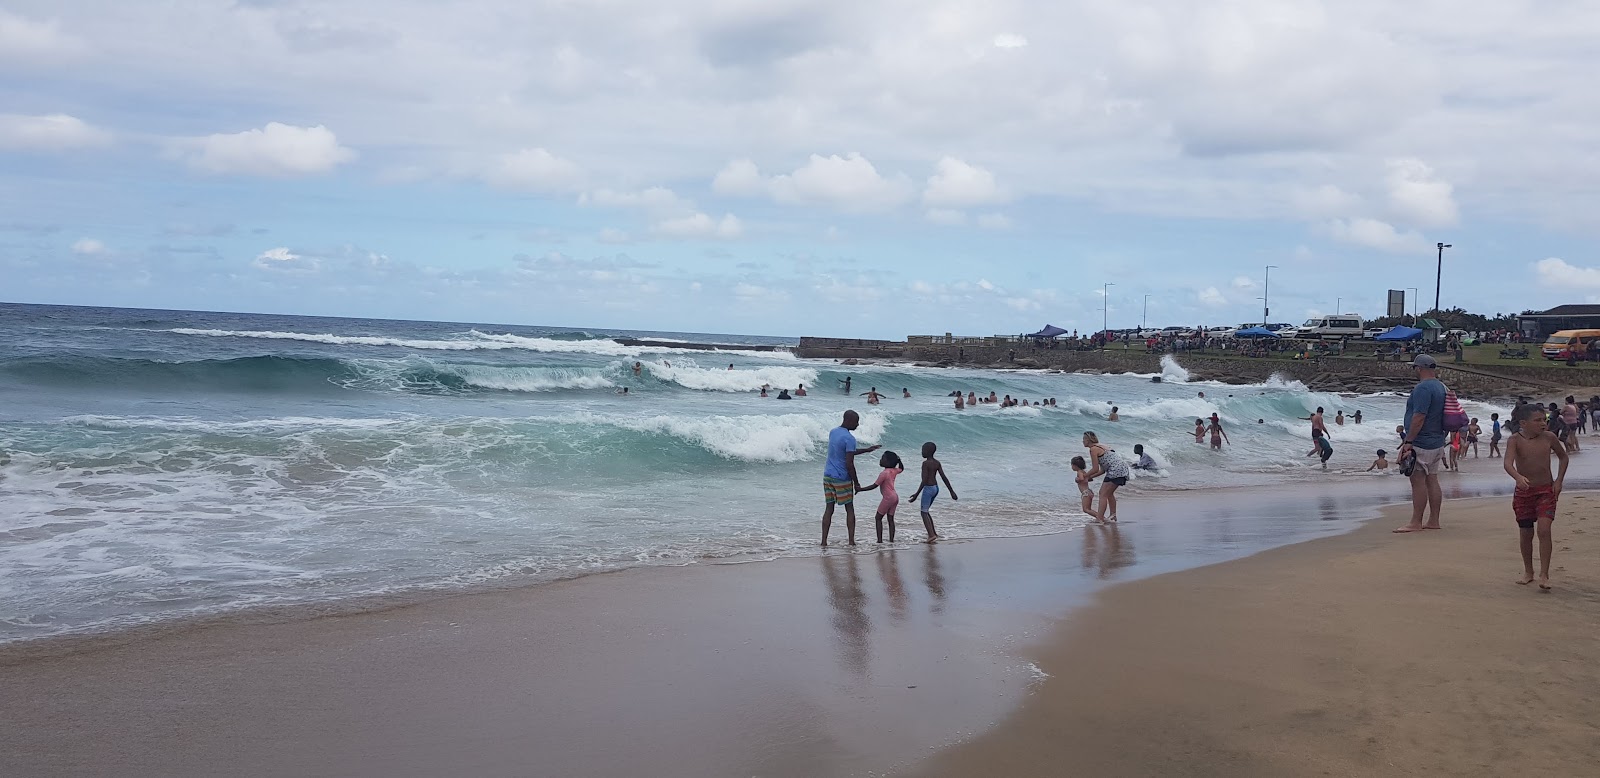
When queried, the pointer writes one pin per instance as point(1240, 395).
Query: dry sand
point(1363, 654)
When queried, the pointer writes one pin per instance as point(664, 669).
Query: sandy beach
point(1365, 654)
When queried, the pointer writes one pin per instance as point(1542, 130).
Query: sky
point(870, 168)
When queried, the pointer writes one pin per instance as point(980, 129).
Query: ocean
point(162, 465)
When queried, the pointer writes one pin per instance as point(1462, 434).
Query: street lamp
point(1145, 314)
point(1266, 288)
point(1413, 304)
point(1338, 306)
point(1105, 298)
point(1439, 276)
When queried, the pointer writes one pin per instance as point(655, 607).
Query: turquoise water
point(163, 464)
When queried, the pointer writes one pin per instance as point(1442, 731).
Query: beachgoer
point(1494, 435)
point(1381, 464)
point(1455, 451)
point(1113, 416)
point(992, 398)
point(1423, 442)
point(892, 468)
point(763, 390)
point(783, 394)
point(730, 365)
point(1106, 462)
point(1320, 445)
point(1143, 461)
point(972, 398)
point(959, 403)
point(839, 479)
point(1200, 430)
point(872, 396)
point(800, 391)
point(1202, 395)
point(905, 392)
point(847, 384)
point(1338, 417)
point(1473, 431)
point(1356, 418)
point(1218, 435)
point(1533, 505)
point(637, 368)
point(929, 489)
point(1316, 422)
point(1569, 418)
point(1080, 472)
point(623, 390)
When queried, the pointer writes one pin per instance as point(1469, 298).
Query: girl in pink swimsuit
point(892, 468)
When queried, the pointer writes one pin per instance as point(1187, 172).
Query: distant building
point(1561, 317)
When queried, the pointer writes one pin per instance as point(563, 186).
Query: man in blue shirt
point(839, 480)
point(1425, 442)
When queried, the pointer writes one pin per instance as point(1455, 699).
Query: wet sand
point(1364, 654)
point(845, 664)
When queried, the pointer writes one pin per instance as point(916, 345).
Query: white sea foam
point(527, 379)
point(687, 373)
point(476, 341)
point(1173, 372)
point(786, 438)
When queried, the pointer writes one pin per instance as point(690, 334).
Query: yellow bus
point(1569, 343)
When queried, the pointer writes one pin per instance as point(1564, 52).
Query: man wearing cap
point(1425, 440)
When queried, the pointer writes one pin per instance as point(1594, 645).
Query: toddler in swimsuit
point(1080, 470)
point(892, 468)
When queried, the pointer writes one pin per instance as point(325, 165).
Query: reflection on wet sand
point(1105, 550)
point(933, 576)
point(843, 576)
point(889, 570)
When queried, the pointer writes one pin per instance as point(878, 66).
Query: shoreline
point(882, 656)
point(1360, 654)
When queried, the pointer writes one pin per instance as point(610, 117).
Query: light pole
point(1105, 307)
point(1413, 304)
point(1145, 314)
point(1338, 305)
point(1266, 289)
point(1439, 276)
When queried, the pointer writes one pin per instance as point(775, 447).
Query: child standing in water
point(1381, 464)
point(1494, 435)
point(1473, 431)
point(1527, 459)
point(931, 469)
point(1320, 445)
point(1199, 430)
point(892, 468)
point(1080, 470)
point(1217, 435)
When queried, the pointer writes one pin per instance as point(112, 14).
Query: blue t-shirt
point(840, 444)
point(1428, 399)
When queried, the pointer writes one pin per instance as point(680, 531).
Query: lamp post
point(1439, 276)
point(1266, 289)
point(1338, 306)
point(1413, 304)
point(1145, 314)
point(1105, 307)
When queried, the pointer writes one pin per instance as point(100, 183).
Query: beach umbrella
point(1400, 332)
point(1255, 332)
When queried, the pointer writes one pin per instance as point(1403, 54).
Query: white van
point(1331, 327)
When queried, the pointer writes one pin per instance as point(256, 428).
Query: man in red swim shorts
point(1534, 504)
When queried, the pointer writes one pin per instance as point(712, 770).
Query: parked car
point(1221, 332)
point(1331, 327)
point(1373, 332)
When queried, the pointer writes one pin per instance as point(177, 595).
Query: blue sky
point(833, 168)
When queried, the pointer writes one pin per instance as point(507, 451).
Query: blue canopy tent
point(1256, 332)
point(1401, 332)
point(1049, 331)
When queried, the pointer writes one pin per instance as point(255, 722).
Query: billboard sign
point(1397, 302)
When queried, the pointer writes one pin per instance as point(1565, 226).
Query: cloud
point(283, 260)
point(27, 41)
point(849, 183)
point(994, 221)
point(1244, 283)
point(960, 185)
point(945, 216)
point(699, 225)
point(1210, 296)
point(1558, 274)
point(1006, 40)
point(1375, 234)
point(655, 199)
point(1323, 202)
point(535, 170)
point(276, 150)
point(88, 247)
point(1419, 196)
point(739, 178)
point(612, 235)
point(54, 132)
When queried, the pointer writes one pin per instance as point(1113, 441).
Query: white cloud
point(849, 183)
point(535, 170)
point(699, 225)
point(983, 283)
point(1558, 274)
point(958, 184)
point(739, 178)
point(88, 246)
point(55, 132)
point(28, 41)
point(1376, 234)
point(283, 260)
point(1244, 283)
point(1323, 202)
point(613, 235)
point(1006, 40)
point(945, 216)
point(1419, 196)
point(654, 199)
point(1211, 296)
point(276, 150)
point(994, 221)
